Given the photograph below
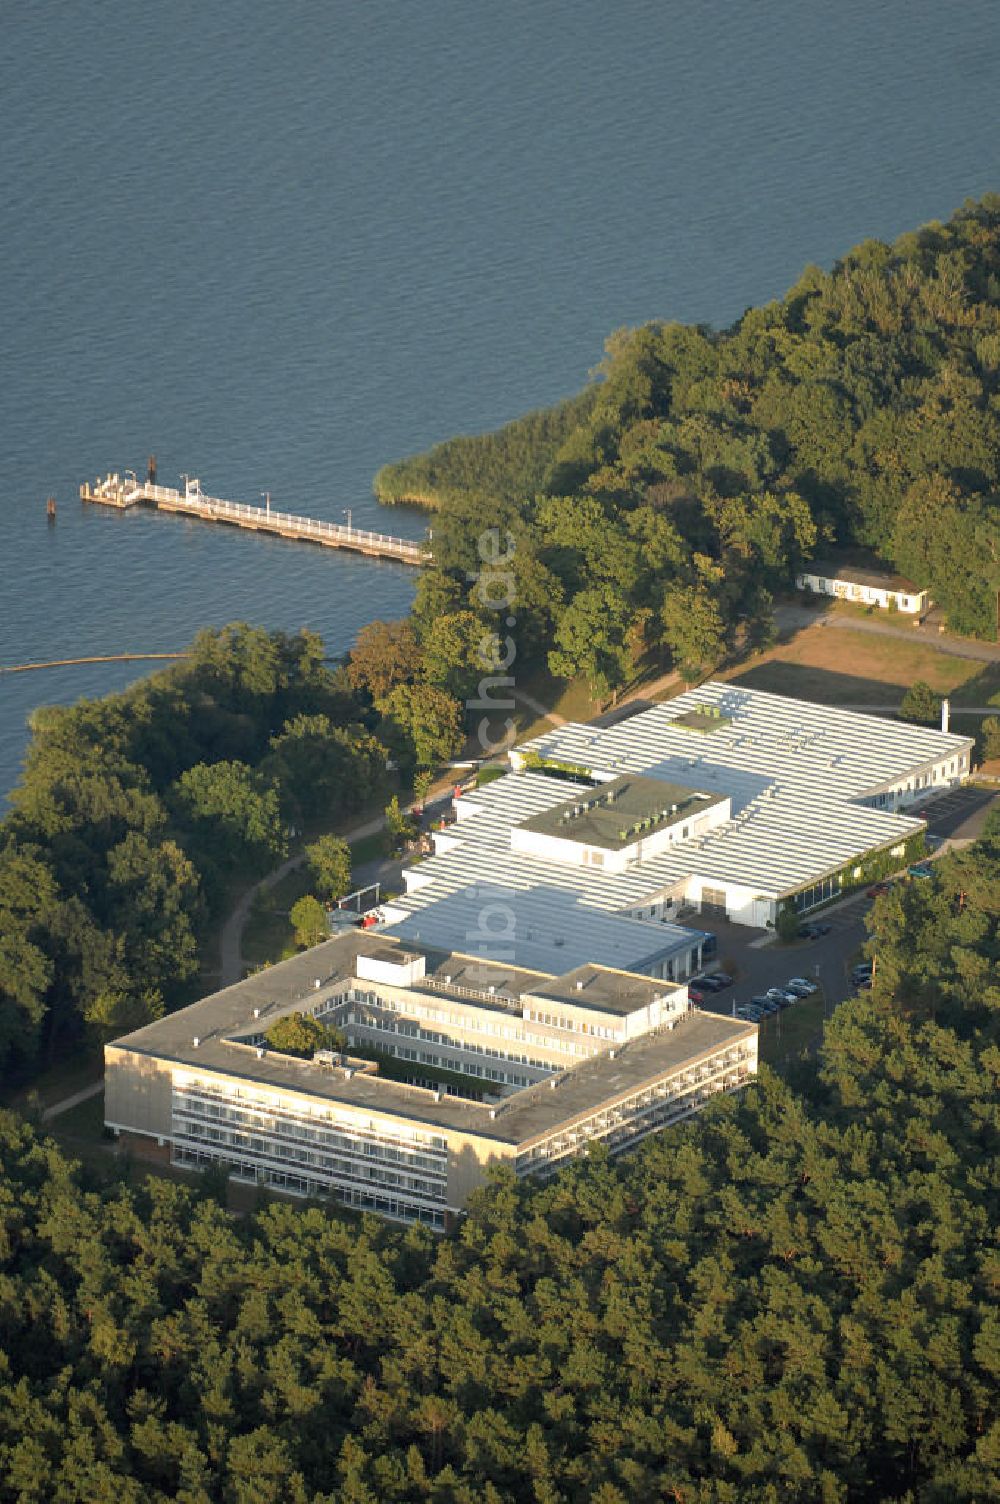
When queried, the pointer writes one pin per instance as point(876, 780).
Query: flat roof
point(603, 988)
point(537, 1110)
point(863, 574)
point(392, 955)
point(214, 1021)
point(622, 811)
point(535, 914)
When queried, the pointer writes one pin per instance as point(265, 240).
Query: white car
point(802, 986)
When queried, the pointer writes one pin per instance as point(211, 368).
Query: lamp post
point(347, 514)
point(267, 501)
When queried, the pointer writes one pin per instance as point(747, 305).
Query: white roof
point(795, 773)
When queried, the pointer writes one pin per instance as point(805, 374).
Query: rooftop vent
point(256, 1013)
point(317, 983)
point(196, 1041)
point(579, 986)
point(437, 1096)
point(493, 1112)
point(552, 1083)
point(260, 1052)
point(348, 1072)
point(611, 1054)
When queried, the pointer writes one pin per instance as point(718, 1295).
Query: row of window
point(447, 1063)
point(476, 1020)
point(940, 774)
point(395, 1207)
point(284, 1134)
point(561, 1021)
point(332, 1166)
point(272, 1113)
point(377, 1025)
point(818, 893)
point(725, 1070)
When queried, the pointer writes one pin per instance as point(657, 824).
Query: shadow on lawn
point(823, 686)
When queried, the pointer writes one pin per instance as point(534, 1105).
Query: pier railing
point(114, 491)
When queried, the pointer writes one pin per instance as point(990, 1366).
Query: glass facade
point(311, 1152)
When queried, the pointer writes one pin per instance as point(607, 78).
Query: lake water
point(281, 245)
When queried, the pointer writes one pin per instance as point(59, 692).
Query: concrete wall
point(469, 1158)
point(137, 1091)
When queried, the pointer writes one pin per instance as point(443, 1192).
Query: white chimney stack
point(945, 713)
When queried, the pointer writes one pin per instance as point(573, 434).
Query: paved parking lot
point(958, 815)
point(758, 967)
point(961, 814)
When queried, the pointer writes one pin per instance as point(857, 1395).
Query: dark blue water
point(280, 245)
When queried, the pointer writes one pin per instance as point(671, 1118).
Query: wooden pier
point(126, 491)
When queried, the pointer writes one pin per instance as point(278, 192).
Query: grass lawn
point(787, 1034)
point(489, 774)
point(811, 667)
point(570, 700)
point(368, 849)
point(268, 935)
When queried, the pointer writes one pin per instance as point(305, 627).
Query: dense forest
point(140, 816)
point(861, 411)
point(136, 813)
point(793, 1297)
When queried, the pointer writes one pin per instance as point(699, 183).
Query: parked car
point(764, 1004)
point(715, 981)
point(750, 1014)
point(921, 869)
point(704, 984)
point(862, 969)
point(782, 996)
point(695, 996)
point(863, 984)
point(814, 930)
point(802, 985)
point(877, 889)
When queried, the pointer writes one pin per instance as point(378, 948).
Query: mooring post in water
point(151, 470)
point(50, 509)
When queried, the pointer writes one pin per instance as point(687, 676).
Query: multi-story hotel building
point(536, 958)
point(558, 1062)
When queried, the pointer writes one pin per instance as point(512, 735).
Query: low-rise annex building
point(560, 1061)
point(724, 802)
point(869, 587)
